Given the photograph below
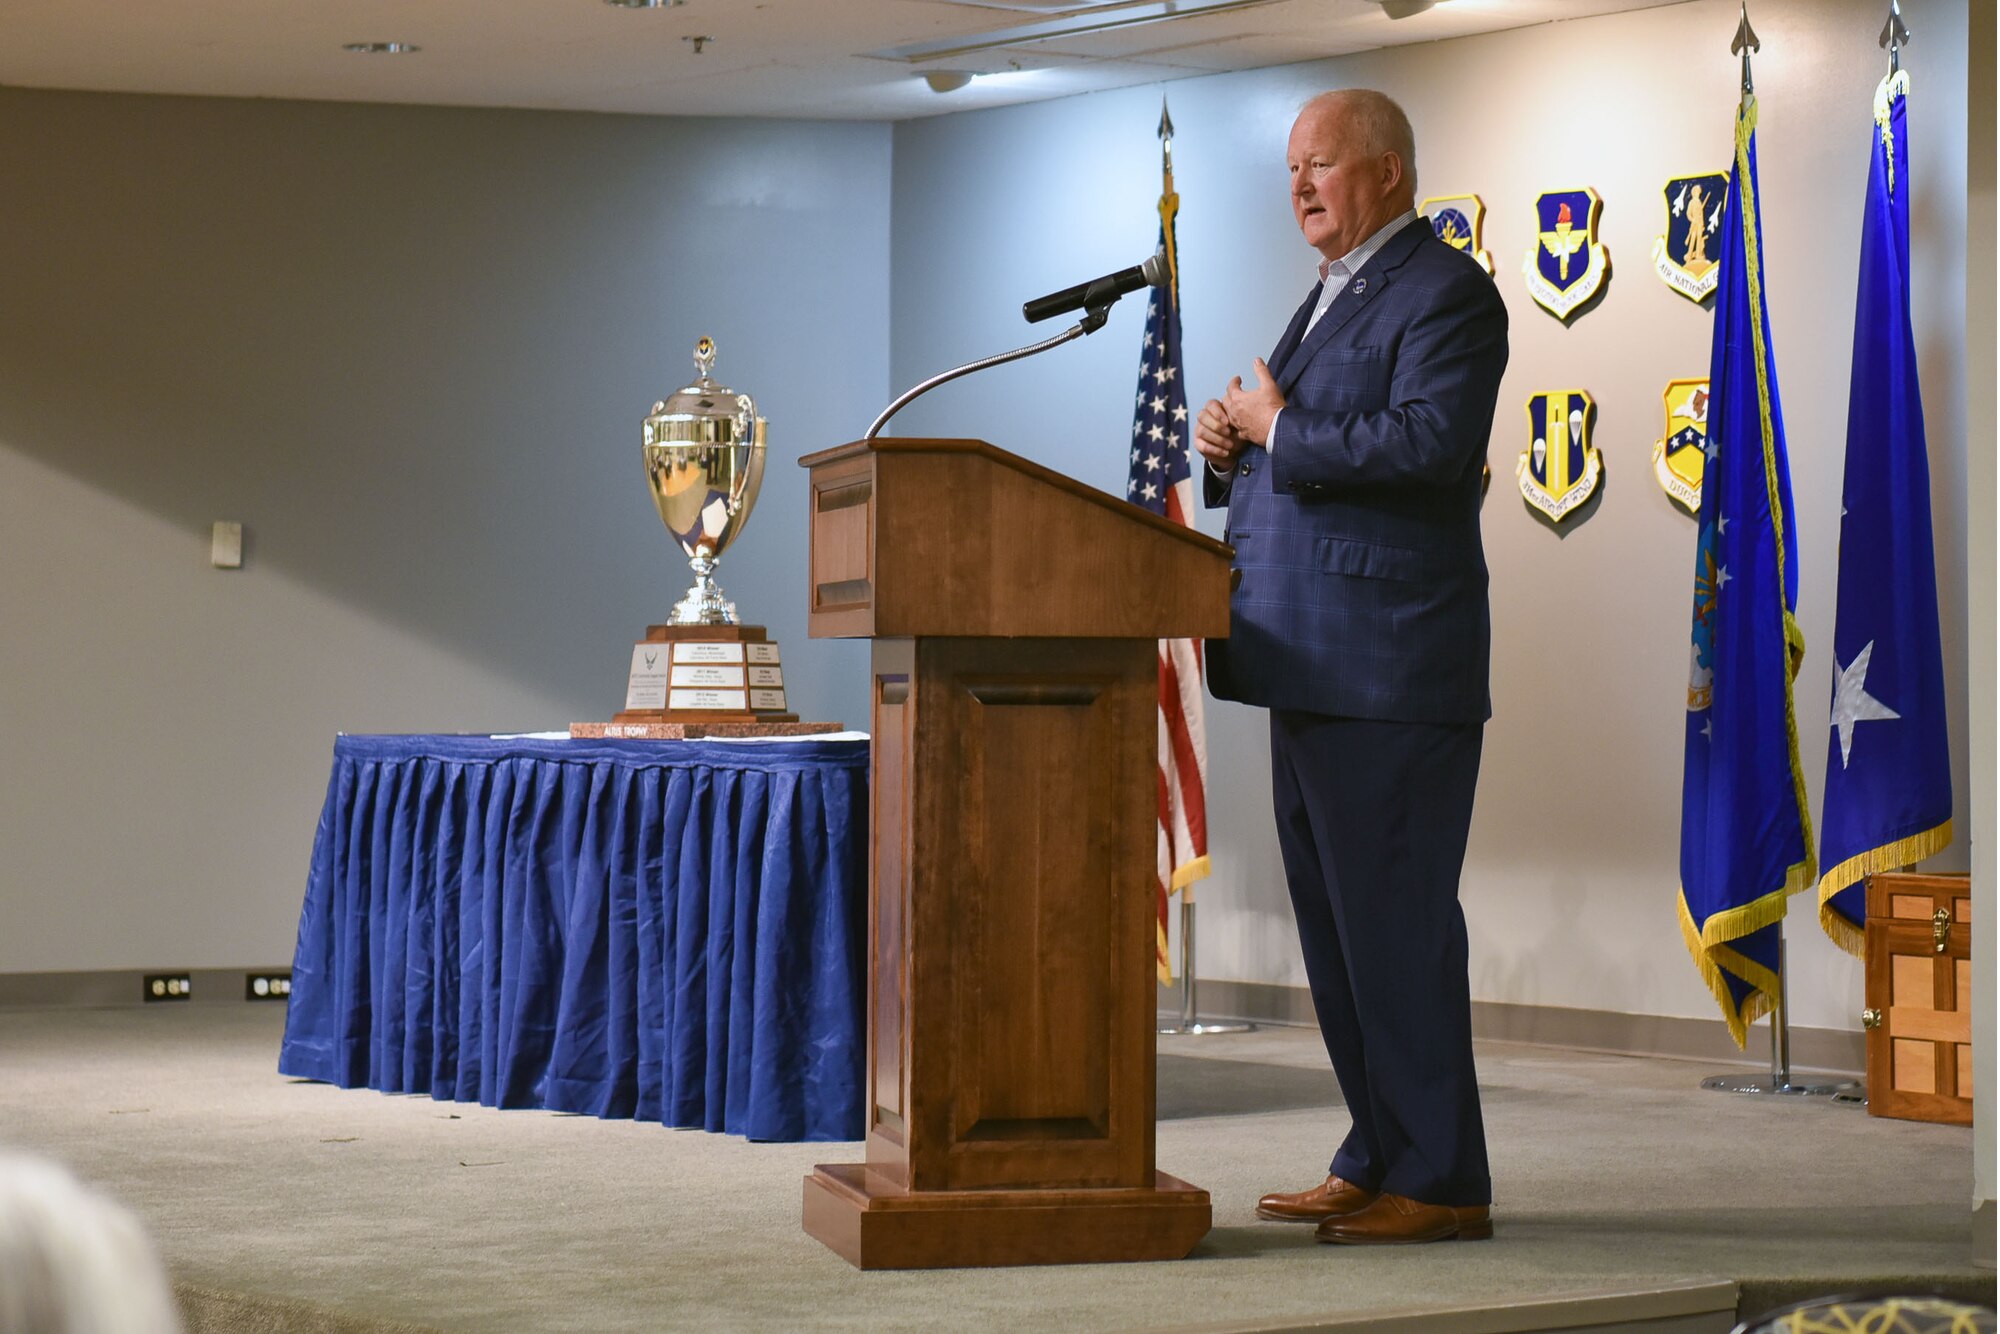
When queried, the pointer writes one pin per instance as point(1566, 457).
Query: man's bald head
point(1352, 160)
point(1378, 125)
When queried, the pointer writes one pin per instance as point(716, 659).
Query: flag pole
point(1190, 1021)
point(1779, 1081)
point(1895, 36)
point(1780, 1078)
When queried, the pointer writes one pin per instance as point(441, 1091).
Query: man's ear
point(1392, 172)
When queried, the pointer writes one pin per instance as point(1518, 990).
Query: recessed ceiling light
point(381, 48)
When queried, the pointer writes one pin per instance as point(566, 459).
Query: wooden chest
point(1919, 989)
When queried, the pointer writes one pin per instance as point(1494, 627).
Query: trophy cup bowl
point(704, 455)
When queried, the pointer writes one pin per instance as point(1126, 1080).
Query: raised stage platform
point(1627, 1199)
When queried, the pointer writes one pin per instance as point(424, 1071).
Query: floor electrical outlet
point(267, 986)
point(168, 987)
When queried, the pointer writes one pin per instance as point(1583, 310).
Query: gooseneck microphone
point(1094, 299)
point(1100, 292)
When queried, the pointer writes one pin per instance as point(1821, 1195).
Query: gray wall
point(409, 349)
point(1572, 874)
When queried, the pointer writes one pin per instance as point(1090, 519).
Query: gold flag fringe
point(1889, 857)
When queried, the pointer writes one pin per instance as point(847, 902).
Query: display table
point(673, 930)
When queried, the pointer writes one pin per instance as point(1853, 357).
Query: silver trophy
point(704, 451)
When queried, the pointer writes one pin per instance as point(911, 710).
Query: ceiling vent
point(1076, 20)
point(1039, 6)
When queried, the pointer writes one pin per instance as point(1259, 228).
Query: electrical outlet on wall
point(225, 545)
point(168, 987)
point(272, 986)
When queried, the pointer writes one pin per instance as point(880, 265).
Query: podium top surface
point(942, 537)
point(1049, 476)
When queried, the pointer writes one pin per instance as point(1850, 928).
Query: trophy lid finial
point(704, 356)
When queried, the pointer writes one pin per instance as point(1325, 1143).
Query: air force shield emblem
point(1459, 221)
point(1560, 469)
point(1678, 458)
point(1681, 258)
point(1566, 266)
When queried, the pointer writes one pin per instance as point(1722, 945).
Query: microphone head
point(1155, 268)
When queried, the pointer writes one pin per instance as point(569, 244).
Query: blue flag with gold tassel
point(1746, 840)
point(1888, 762)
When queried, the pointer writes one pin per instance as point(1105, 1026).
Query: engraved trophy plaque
point(703, 672)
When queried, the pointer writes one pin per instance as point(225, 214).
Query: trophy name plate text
point(692, 731)
point(704, 680)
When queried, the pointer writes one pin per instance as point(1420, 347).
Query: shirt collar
point(1352, 261)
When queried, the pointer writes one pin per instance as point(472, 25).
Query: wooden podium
point(1014, 700)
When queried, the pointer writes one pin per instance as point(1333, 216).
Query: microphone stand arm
point(1097, 309)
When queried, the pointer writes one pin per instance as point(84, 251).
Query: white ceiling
point(804, 58)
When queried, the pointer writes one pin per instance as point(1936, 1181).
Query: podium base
point(875, 1225)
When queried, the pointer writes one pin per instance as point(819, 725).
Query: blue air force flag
point(1746, 840)
point(1888, 764)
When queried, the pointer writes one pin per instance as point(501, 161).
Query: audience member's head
point(72, 1261)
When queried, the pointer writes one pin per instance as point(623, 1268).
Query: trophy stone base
point(708, 675)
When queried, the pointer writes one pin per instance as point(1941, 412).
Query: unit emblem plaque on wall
point(1679, 455)
point(1560, 468)
point(1567, 265)
point(1460, 222)
point(1685, 258)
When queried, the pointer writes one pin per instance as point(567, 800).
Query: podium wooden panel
point(1014, 699)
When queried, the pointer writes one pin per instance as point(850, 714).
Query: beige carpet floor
point(1610, 1172)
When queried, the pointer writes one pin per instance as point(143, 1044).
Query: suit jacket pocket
point(1369, 560)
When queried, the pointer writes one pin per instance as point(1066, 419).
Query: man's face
point(1338, 191)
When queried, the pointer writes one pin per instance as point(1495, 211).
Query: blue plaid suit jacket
point(1361, 581)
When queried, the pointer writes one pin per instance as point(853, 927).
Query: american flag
point(1160, 482)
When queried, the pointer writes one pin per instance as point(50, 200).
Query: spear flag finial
point(1746, 42)
point(1894, 36)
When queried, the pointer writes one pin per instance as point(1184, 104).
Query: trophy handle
point(750, 430)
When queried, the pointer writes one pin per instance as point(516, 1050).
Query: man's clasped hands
point(1241, 417)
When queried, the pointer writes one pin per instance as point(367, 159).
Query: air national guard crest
point(1685, 257)
point(1460, 221)
point(1566, 265)
point(1559, 469)
point(1678, 459)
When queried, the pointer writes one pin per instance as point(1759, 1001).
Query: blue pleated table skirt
point(667, 930)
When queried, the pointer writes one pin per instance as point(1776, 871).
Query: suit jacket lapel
point(1375, 276)
point(1290, 342)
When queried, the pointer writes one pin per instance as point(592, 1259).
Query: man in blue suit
point(1352, 472)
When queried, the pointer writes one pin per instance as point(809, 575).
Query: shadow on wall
point(410, 348)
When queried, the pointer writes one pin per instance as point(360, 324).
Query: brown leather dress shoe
point(1394, 1220)
point(1331, 1198)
